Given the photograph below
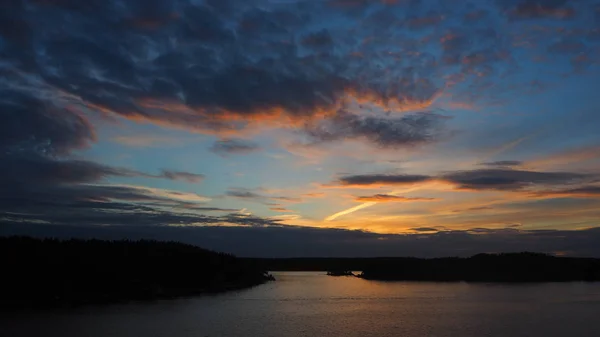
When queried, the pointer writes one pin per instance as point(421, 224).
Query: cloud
point(503, 163)
point(200, 66)
point(234, 146)
point(135, 193)
point(31, 125)
point(424, 229)
point(314, 195)
point(536, 9)
point(409, 130)
point(321, 40)
point(251, 195)
point(390, 198)
point(281, 209)
point(507, 179)
point(37, 170)
point(244, 194)
point(43, 181)
point(382, 179)
point(472, 209)
point(116, 205)
point(228, 68)
point(369, 71)
point(183, 176)
point(586, 191)
point(258, 240)
point(493, 179)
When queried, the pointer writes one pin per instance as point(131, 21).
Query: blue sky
point(396, 117)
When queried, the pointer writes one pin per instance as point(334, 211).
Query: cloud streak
point(382, 179)
point(234, 146)
point(390, 198)
point(183, 176)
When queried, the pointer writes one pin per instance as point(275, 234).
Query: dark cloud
point(33, 170)
point(251, 195)
point(321, 40)
point(197, 62)
point(481, 208)
point(217, 66)
point(409, 130)
point(234, 146)
point(184, 176)
point(41, 179)
point(425, 229)
point(503, 163)
point(501, 178)
point(382, 179)
point(290, 241)
point(590, 191)
point(94, 204)
point(507, 179)
point(536, 9)
point(390, 198)
point(30, 124)
point(242, 58)
point(244, 194)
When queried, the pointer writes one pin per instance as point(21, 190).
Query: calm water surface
point(312, 304)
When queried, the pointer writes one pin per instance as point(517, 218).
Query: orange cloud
point(282, 210)
point(314, 195)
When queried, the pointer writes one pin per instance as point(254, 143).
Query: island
point(51, 273)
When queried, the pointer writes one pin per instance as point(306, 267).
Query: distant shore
point(507, 267)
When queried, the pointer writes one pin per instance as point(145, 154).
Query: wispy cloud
point(503, 163)
point(234, 146)
point(184, 176)
point(252, 195)
point(382, 179)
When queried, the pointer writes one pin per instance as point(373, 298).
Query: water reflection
point(313, 304)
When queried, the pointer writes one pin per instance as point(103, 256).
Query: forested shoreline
point(50, 273)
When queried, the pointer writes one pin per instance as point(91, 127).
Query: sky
point(304, 128)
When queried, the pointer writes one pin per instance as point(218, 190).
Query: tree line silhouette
point(506, 267)
point(50, 272)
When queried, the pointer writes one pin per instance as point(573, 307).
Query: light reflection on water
point(313, 304)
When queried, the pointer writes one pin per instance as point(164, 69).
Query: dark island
point(50, 273)
point(507, 267)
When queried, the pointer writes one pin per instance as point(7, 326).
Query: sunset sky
point(304, 127)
